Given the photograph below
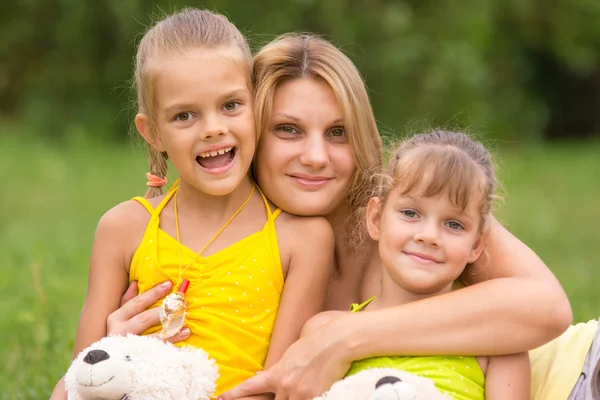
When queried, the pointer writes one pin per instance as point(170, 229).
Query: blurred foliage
point(514, 69)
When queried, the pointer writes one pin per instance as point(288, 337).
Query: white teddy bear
point(140, 367)
point(383, 384)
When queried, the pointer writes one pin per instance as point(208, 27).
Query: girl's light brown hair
point(296, 56)
point(187, 30)
point(443, 163)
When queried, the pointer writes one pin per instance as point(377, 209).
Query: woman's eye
point(409, 213)
point(231, 106)
point(183, 117)
point(454, 225)
point(287, 129)
point(337, 132)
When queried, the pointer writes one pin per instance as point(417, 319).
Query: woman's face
point(304, 162)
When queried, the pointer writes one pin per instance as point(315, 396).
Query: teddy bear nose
point(95, 356)
point(387, 380)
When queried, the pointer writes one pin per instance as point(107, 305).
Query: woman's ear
point(374, 217)
point(144, 127)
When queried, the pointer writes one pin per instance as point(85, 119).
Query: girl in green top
point(430, 219)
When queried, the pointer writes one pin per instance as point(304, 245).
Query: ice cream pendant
point(173, 311)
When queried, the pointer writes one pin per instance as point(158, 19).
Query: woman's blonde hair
point(295, 56)
point(184, 31)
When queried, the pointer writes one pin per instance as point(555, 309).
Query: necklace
point(210, 241)
point(174, 307)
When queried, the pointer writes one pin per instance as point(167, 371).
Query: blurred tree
point(513, 69)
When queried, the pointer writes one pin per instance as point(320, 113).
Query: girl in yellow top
point(430, 220)
point(214, 227)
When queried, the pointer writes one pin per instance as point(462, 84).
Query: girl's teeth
point(215, 152)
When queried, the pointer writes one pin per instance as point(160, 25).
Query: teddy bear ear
point(393, 388)
point(387, 380)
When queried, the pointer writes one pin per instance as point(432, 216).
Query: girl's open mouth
point(217, 159)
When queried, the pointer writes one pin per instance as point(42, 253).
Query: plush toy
point(383, 384)
point(140, 367)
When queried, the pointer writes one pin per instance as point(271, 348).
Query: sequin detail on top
point(459, 377)
point(233, 296)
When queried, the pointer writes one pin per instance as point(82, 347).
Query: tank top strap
point(355, 307)
point(272, 215)
point(144, 203)
point(174, 188)
point(155, 212)
point(276, 213)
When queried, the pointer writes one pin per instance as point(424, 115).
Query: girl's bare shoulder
point(126, 223)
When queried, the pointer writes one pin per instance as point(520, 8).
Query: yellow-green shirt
point(233, 295)
point(459, 377)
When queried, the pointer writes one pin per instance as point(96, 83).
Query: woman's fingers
point(258, 384)
point(133, 316)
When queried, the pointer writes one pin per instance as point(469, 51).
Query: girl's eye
point(409, 213)
point(231, 106)
point(290, 130)
point(183, 117)
point(337, 132)
point(454, 225)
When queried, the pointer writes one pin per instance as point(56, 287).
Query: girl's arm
point(311, 243)
point(516, 305)
point(508, 377)
point(107, 280)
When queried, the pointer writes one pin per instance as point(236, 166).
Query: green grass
point(54, 195)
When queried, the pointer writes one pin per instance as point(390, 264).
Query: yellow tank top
point(233, 295)
point(459, 377)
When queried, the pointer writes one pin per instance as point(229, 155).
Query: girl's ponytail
point(157, 163)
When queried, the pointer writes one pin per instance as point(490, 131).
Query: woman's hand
point(307, 369)
point(134, 316)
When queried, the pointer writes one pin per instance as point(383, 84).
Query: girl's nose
point(213, 127)
point(428, 233)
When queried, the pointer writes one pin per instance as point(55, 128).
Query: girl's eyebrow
point(235, 93)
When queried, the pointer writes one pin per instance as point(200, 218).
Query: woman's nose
point(315, 152)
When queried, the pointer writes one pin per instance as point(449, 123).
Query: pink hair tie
point(155, 181)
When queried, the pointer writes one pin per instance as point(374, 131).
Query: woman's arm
point(517, 306)
point(107, 281)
